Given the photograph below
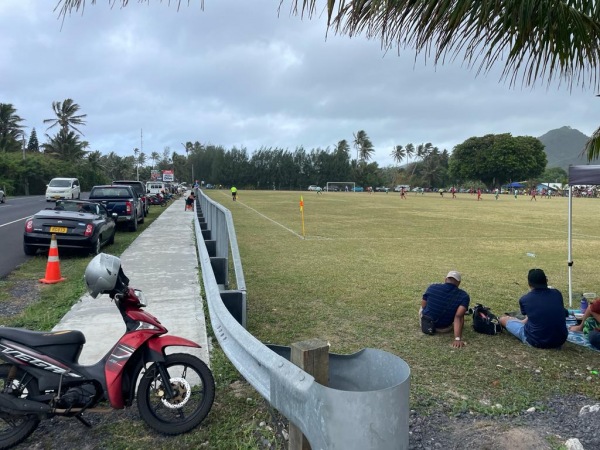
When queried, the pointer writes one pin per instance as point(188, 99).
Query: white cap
point(454, 274)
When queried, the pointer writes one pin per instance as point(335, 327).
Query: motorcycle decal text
point(32, 360)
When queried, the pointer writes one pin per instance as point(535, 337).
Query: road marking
point(14, 221)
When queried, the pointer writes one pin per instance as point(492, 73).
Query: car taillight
point(89, 229)
point(128, 207)
point(29, 226)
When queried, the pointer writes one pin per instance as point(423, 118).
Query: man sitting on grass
point(446, 305)
point(545, 323)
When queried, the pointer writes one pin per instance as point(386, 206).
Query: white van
point(63, 188)
point(155, 187)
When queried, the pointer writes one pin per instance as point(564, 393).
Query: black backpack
point(484, 321)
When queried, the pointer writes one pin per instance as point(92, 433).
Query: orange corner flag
point(53, 266)
point(301, 204)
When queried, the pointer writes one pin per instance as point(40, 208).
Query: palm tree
point(410, 151)
point(363, 145)
point(154, 156)
point(66, 116)
point(11, 130)
point(398, 154)
point(65, 145)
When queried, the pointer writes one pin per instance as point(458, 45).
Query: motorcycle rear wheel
point(15, 428)
point(194, 387)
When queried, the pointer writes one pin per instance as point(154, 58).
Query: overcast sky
point(239, 74)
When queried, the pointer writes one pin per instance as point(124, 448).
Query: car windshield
point(60, 183)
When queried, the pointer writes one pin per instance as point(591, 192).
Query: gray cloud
point(239, 74)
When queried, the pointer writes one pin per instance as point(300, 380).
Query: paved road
point(12, 220)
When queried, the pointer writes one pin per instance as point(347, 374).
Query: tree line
point(26, 166)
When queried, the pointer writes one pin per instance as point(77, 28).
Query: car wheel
point(97, 246)
point(133, 224)
point(29, 250)
point(3, 198)
point(142, 218)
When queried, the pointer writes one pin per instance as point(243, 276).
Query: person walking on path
point(234, 193)
point(545, 323)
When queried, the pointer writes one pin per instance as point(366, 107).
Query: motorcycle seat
point(42, 338)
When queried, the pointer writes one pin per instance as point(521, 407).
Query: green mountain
point(564, 146)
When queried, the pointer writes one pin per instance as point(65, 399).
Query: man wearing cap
point(446, 305)
point(545, 322)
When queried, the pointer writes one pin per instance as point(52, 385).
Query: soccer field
point(357, 276)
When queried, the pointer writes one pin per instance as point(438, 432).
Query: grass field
point(357, 277)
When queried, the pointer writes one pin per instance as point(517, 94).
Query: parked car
point(209, 186)
point(2, 196)
point(76, 223)
point(400, 186)
point(358, 189)
point(381, 189)
point(140, 189)
point(122, 200)
point(313, 187)
point(63, 188)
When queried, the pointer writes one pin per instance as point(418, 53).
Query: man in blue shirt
point(446, 304)
point(545, 324)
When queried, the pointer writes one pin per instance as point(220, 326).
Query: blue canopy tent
point(515, 184)
point(578, 175)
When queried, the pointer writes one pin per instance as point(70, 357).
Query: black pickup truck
point(121, 200)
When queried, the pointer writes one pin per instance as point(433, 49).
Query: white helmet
point(101, 274)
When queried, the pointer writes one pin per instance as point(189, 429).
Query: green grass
point(357, 279)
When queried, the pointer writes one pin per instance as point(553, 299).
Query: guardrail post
point(312, 356)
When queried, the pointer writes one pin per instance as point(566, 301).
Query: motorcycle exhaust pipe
point(15, 405)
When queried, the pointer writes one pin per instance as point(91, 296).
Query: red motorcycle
point(41, 377)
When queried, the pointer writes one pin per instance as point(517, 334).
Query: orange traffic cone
point(53, 266)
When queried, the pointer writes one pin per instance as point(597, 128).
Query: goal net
point(340, 186)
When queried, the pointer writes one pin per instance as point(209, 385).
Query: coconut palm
point(66, 116)
point(154, 156)
point(65, 145)
point(11, 130)
point(398, 154)
point(363, 145)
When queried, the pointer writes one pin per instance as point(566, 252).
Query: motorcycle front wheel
point(194, 389)
point(15, 428)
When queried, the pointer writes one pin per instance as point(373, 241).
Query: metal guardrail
point(365, 405)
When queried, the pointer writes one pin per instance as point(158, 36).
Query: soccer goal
point(340, 186)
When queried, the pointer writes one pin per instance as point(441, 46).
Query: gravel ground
point(548, 427)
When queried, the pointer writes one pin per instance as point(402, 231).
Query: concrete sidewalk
point(162, 263)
